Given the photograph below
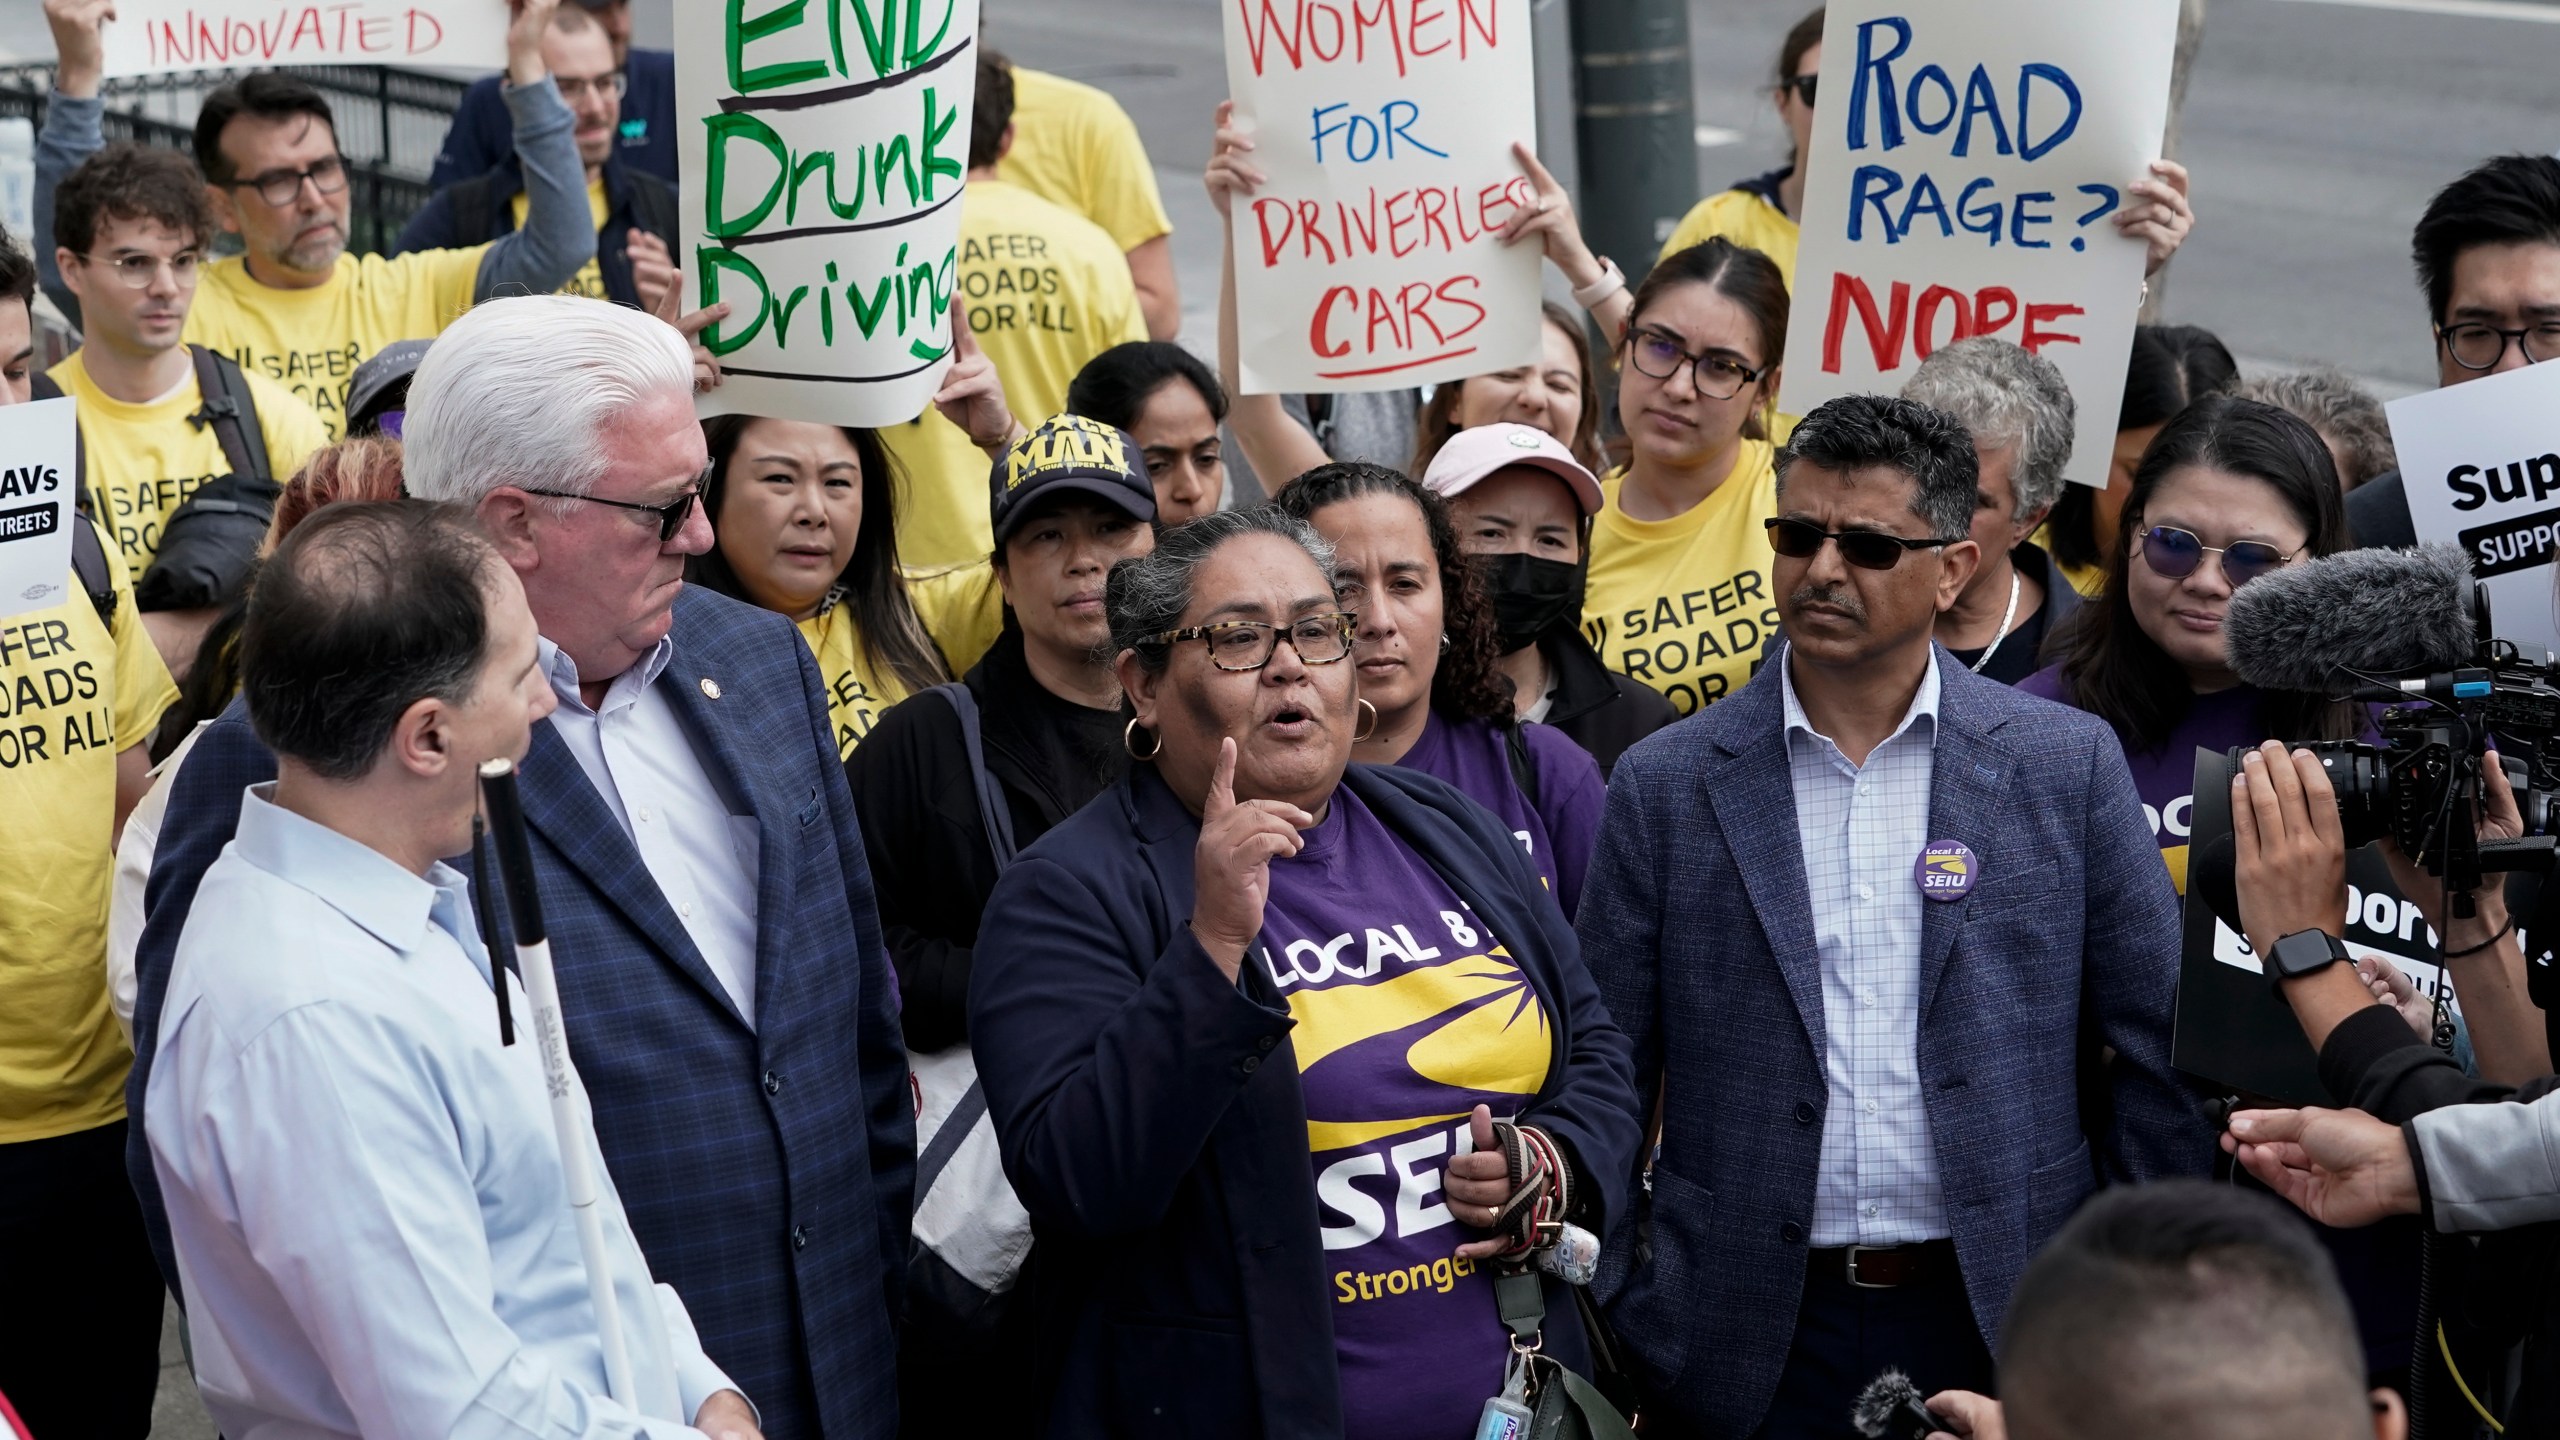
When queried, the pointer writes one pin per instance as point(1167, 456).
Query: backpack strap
point(231, 412)
point(88, 553)
point(993, 812)
point(1524, 766)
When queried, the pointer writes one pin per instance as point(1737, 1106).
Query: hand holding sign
point(2156, 213)
point(524, 40)
point(79, 46)
point(706, 366)
point(972, 394)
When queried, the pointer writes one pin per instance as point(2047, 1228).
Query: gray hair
point(2011, 399)
point(2345, 413)
point(1149, 595)
point(521, 392)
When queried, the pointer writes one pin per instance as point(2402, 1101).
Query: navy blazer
point(1151, 1120)
point(768, 1170)
point(1697, 927)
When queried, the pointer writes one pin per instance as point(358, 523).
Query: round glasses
point(1866, 549)
point(1250, 644)
point(2174, 554)
point(1660, 355)
point(2475, 346)
point(136, 271)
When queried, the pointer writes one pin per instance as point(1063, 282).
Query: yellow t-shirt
point(1685, 604)
point(145, 460)
point(962, 609)
point(1744, 219)
point(1074, 146)
point(311, 341)
point(1047, 291)
point(589, 281)
point(858, 692)
point(72, 694)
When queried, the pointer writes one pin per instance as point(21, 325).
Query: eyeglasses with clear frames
point(576, 88)
point(1240, 645)
point(136, 271)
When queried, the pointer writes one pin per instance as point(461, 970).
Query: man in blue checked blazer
point(728, 1001)
point(1868, 921)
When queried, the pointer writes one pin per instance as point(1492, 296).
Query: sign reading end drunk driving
point(824, 151)
point(2480, 463)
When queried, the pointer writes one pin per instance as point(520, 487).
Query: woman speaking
point(1255, 1013)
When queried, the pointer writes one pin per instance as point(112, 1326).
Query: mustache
point(1837, 597)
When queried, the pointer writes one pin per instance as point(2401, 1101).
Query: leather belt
point(1885, 1267)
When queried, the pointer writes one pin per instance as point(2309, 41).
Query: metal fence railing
point(389, 124)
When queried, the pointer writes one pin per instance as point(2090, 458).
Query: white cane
point(533, 962)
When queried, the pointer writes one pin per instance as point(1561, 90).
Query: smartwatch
point(2304, 952)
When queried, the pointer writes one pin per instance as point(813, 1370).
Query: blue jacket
point(1151, 1120)
point(482, 133)
point(1697, 928)
point(767, 1171)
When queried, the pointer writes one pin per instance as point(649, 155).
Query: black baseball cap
point(1068, 452)
point(381, 386)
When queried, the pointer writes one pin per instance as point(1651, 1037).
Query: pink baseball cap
point(1470, 455)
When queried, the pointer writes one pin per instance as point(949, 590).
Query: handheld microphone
point(1890, 1406)
point(2380, 612)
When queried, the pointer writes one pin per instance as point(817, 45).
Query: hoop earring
point(1358, 736)
point(1129, 742)
point(1444, 642)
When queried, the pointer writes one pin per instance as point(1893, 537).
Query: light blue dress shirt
point(1863, 828)
point(364, 1186)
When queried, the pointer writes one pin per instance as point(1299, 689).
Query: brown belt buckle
point(1857, 1252)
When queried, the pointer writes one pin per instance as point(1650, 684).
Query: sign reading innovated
point(39, 466)
point(824, 150)
point(2480, 462)
point(1966, 156)
point(149, 37)
point(1385, 129)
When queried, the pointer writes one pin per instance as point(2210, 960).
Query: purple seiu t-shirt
point(1558, 826)
point(1409, 1015)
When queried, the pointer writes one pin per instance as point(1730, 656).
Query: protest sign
point(824, 153)
point(150, 37)
point(2480, 464)
point(39, 468)
point(1966, 157)
point(1385, 130)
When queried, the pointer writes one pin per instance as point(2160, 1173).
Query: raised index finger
point(1222, 782)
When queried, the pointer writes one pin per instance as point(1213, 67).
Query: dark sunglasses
point(1866, 549)
point(1802, 85)
point(2174, 554)
point(671, 516)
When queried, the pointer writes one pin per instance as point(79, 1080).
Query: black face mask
point(1531, 596)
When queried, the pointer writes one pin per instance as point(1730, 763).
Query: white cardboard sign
point(824, 154)
point(151, 37)
point(2480, 463)
point(39, 466)
point(1966, 157)
point(1385, 129)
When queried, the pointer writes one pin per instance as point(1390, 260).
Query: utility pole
point(1636, 123)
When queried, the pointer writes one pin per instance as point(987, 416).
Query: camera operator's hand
point(2290, 852)
point(2499, 819)
point(1968, 1416)
point(2340, 1167)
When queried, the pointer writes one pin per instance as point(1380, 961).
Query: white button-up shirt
point(1863, 828)
point(364, 1186)
point(640, 758)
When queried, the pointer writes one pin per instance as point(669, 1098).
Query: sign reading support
point(149, 37)
point(1385, 130)
point(2480, 463)
point(39, 470)
point(824, 152)
point(1966, 157)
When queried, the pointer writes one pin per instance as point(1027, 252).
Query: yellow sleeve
point(292, 427)
point(143, 690)
point(1696, 227)
point(1118, 318)
point(446, 281)
point(1119, 184)
point(962, 609)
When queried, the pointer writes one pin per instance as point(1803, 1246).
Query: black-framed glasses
point(136, 271)
point(1866, 549)
point(2174, 554)
point(1802, 85)
point(1660, 355)
point(2477, 346)
point(278, 187)
point(671, 515)
point(1249, 644)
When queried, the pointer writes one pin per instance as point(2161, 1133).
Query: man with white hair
point(728, 1002)
point(2020, 411)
